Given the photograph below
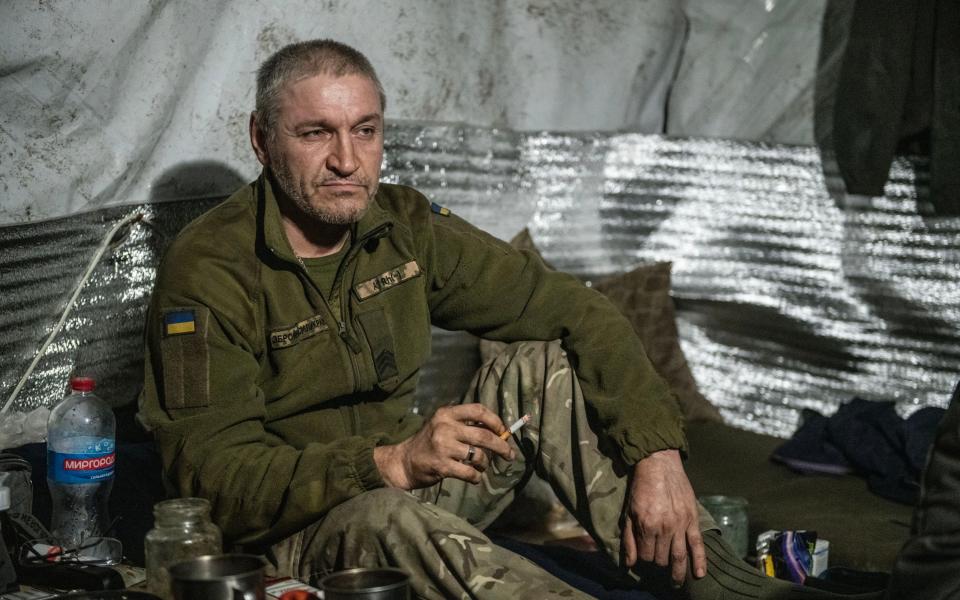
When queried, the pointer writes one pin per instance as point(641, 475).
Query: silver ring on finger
point(471, 451)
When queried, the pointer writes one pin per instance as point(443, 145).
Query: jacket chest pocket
point(391, 309)
point(382, 347)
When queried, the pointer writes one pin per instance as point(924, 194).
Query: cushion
point(643, 296)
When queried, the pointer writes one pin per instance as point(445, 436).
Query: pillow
point(643, 296)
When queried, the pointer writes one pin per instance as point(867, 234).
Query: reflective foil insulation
point(789, 293)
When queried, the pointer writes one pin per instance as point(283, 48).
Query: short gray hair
point(305, 59)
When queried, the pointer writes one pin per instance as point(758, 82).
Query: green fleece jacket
point(268, 398)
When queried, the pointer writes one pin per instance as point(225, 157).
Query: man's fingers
point(484, 438)
point(629, 543)
point(463, 471)
point(697, 550)
point(477, 459)
point(647, 542)
point(473, 424)
point(663, 552)
point(678, 558)
point(475, 413)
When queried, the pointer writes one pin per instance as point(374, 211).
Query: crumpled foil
point(790, 294)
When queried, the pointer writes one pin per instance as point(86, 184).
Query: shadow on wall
point(184, 192)
point(190, 188)
point(198, 179)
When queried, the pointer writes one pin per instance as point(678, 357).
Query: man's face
point(328, 146)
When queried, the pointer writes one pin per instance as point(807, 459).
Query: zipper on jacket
point(339, 289)
point(352, 343)
point(342, 291)
point(341, 326)
point(342, 330)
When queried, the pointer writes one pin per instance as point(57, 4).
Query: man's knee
point(373, 513)
point(530, 368)
point(531, 350)
point(362, 532)
point(384, 517)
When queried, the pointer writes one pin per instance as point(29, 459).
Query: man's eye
point(312, 133)
point(367, 131)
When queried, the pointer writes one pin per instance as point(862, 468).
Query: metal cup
point(224, 577)
point(366, 584)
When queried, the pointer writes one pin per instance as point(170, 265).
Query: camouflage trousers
point(435, 534)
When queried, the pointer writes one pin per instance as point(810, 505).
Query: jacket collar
point(372, 223)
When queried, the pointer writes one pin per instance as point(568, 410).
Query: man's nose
point(342, 159)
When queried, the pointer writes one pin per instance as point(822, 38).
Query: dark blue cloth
point(589, 572)
point(867, 438)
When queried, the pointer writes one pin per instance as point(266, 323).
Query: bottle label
point(85, 467)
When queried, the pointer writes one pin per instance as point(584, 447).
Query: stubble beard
point(345, 209)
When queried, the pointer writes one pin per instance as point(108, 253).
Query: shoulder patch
point(180, 321)
point(443, 211)
point(186, 359)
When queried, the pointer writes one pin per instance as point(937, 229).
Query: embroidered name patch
point(179, 322)
point(288, 336)
point(387, 280)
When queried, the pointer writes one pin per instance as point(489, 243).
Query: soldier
point(284, 342)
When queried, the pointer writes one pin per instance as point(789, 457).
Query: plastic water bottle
point(81, 450)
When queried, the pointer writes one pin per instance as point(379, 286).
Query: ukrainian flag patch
point(443, 211)
point(179, 322)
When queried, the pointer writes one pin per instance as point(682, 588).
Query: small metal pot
point(366, 584)
point(224, 577)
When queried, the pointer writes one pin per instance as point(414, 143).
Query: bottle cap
point(82, 384)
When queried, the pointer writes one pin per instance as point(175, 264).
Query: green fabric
point(323, 270)
point(296, 402)
point(864, 530)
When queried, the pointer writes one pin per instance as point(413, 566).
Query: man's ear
point(258, 139)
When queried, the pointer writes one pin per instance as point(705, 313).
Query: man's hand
point(441, 447)
point(661, 521)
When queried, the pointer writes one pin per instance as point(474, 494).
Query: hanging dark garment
point(899, 92)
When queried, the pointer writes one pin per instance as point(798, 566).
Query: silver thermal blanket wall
point(790, 295)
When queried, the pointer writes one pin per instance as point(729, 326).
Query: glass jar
point(730, 513)
point(182, 529)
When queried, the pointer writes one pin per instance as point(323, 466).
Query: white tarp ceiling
point(101, 98)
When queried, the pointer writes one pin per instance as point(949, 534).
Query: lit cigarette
point(515, 427)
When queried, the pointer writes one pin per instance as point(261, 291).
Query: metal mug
point(366, 584)
point(223, 577)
